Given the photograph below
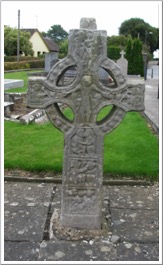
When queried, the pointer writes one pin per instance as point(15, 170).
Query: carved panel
point(83, 142)
point(82, 172)
point(81, 201)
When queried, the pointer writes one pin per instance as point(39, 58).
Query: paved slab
point(137, 252)
point(21, 251)
point(131, 233)
point(25, 211)
point(151, 102)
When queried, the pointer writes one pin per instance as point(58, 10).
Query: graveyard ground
point(133, 221)
point(129, 151)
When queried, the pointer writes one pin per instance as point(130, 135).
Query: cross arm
point(36, 94)
point(133, 97)
point(129, 97)
point(40, 95)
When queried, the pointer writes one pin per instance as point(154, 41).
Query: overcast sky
point(108, 14)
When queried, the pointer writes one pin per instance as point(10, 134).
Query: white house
point(41, 45)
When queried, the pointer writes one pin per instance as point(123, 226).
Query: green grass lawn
point(130, 150)
point(19, 75)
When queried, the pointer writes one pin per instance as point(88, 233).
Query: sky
point(108, 14)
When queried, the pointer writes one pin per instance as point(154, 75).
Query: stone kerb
point(86, 95)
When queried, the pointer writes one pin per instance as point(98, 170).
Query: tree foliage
point(120, 41)
point(113, 52)
point(57, 33)
point(129, 55)
point(137, 58)
point(10, 42)
point(138, 28)
point(134, 57)
point(63, 48)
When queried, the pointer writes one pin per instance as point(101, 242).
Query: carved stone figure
point(86, 95)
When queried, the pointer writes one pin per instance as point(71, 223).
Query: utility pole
point(18, 40)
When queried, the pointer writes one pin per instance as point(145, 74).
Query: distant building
point(41, 45)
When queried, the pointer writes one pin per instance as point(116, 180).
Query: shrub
point(21, 58)
point(24, 65)
point(113, 52)
point(37, 63)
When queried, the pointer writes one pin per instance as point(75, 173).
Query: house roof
point(51, 45)
point(31, 31)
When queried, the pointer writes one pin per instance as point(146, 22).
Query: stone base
point(81, 221)
point(59, 231)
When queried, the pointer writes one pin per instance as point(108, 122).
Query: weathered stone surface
point(88, 23)
point(49, 58)
point(127, 198)
point(21, 251)
point(110, 246)
point(11, 83)
point(8, 107)
point(123, 64)
point(32, 116)
point(138, 252)
point(133, 226)
point(78, 251)
point(25, 218)
point(86, 95)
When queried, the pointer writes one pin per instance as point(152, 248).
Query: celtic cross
point(86, 95)
point(122, 53)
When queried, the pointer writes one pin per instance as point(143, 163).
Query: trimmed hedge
point(21, 58)
point(24, 64)
point(113, 52)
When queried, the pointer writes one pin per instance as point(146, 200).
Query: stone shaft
point(82, 178)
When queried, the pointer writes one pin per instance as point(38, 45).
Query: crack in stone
point(17, 240)
point(132, 209)
point(49, 215)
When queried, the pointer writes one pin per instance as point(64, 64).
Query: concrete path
point(152, 102)
point(130, 228)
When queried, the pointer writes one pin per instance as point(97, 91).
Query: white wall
point(38, 44)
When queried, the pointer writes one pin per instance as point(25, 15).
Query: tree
point(129, 55)
point(10, 42)
point(63, 48)
point(137, 58)
point(117, 41)
point(134, 56)
point(138, 28)
point(57, 33)
point(115, 44)
point(113, 52)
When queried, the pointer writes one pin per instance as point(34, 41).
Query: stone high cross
point(86, 95)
